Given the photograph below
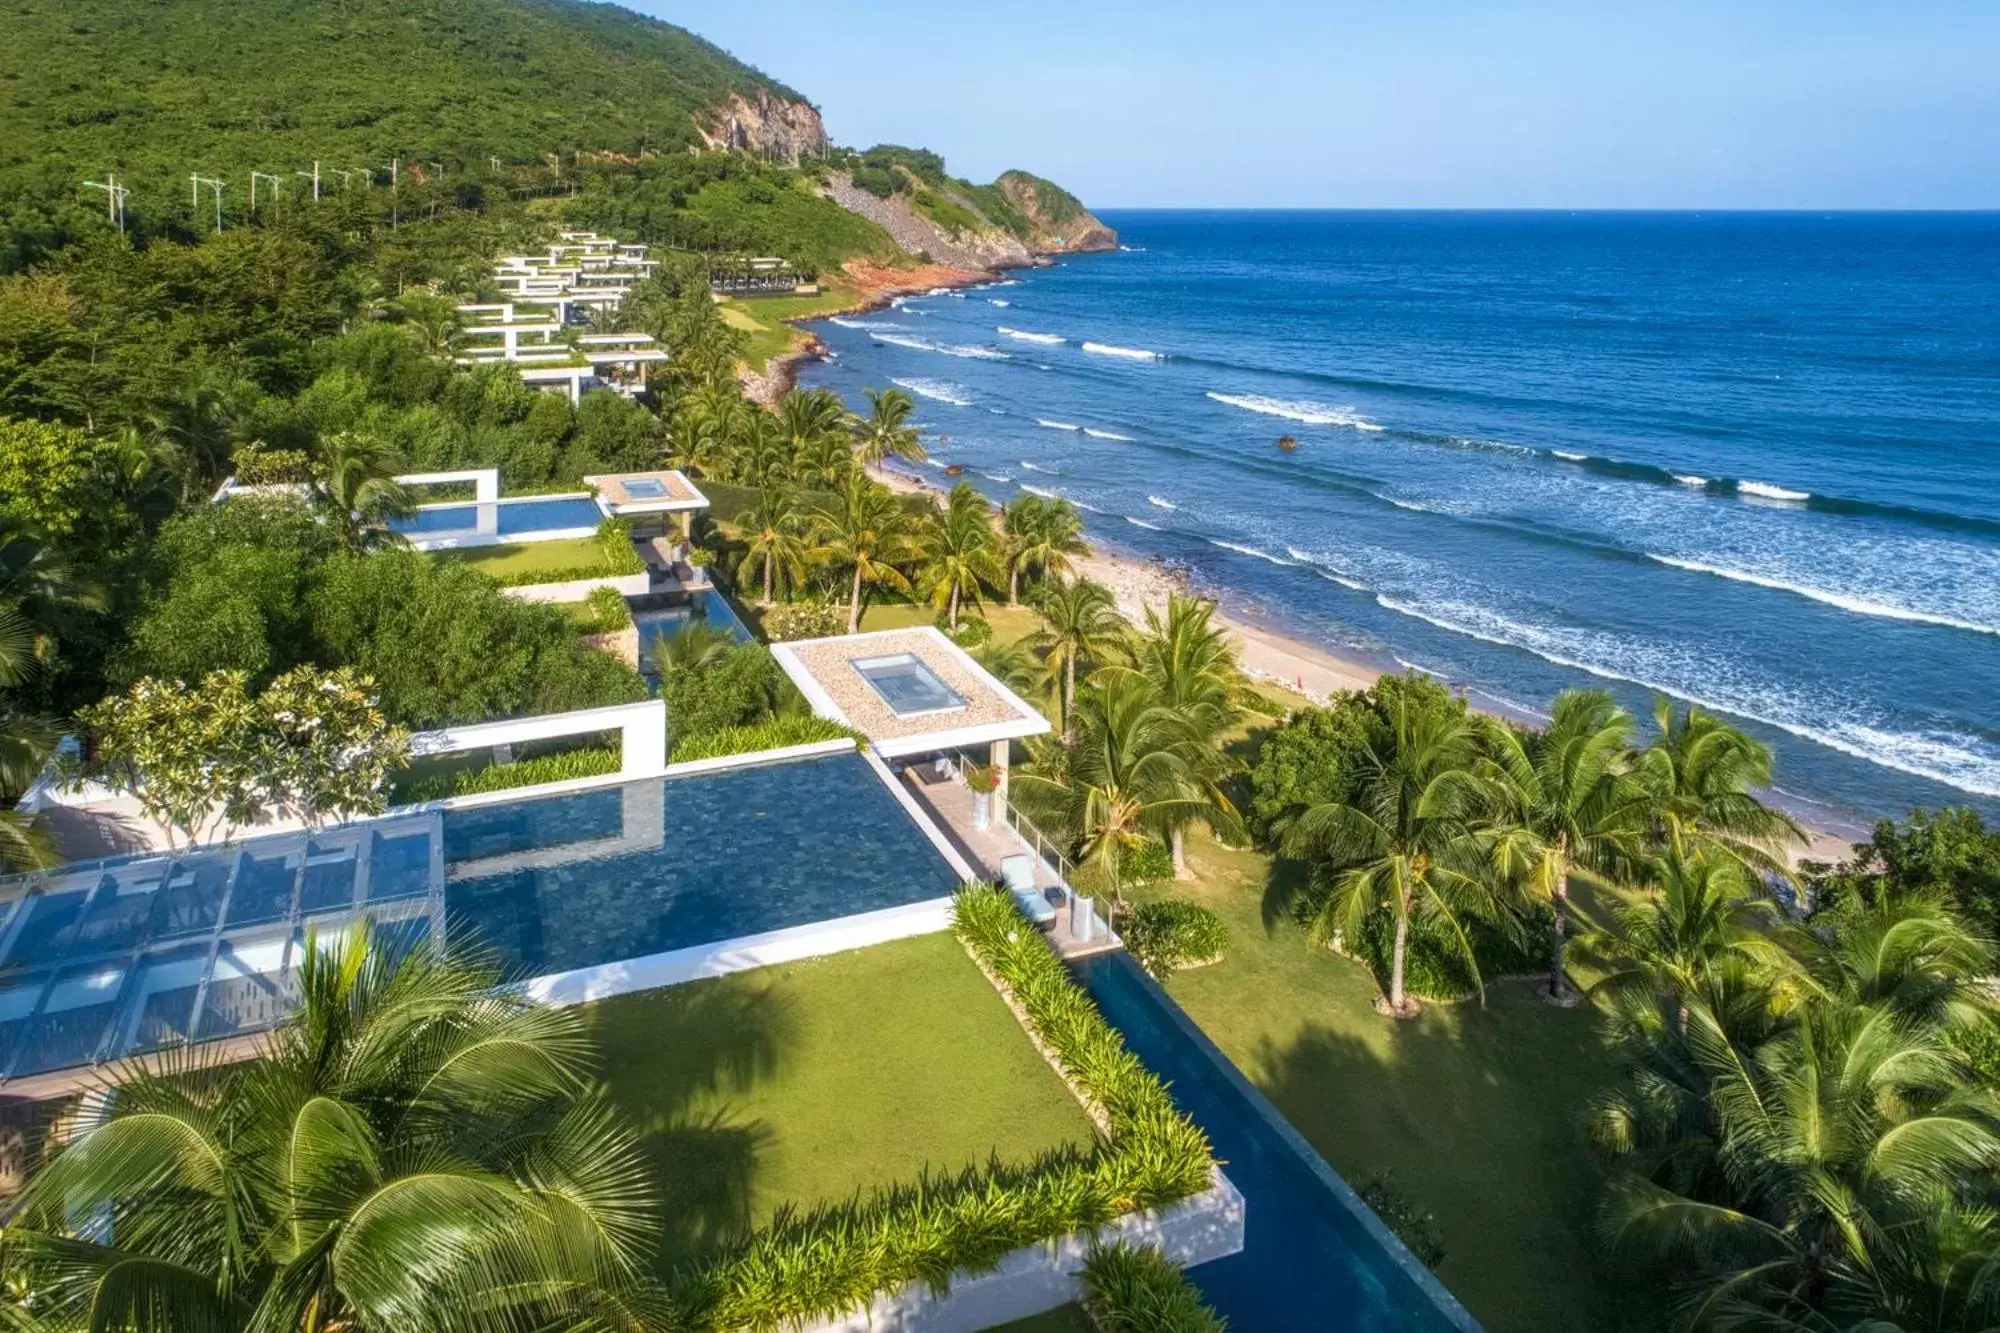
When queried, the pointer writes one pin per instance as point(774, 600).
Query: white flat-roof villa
point(581, 272)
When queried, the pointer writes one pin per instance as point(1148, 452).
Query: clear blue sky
point(1423, 103)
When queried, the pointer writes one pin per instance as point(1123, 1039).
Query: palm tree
point(959, 551)
point(1080, 622)
point(40, 589)
point(26, 742)
point(869, 533)
point(1700, 773)
point(773, 535)
point(1040, 537)
point(1567, 802)
point(694, 645)
point(414, 1150)
point(1702, 913)
point(1192, 667)
point(1133, 773)
point(1410, 842)
point(813, 421)
point(886, 430)
point(355, 483)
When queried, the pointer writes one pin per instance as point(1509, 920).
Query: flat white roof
point(985, 710)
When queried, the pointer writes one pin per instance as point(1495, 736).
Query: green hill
point(159, 90)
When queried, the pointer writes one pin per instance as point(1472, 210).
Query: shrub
point(1129, 1290)
point(835, 1258)
point(738, 686)
point(617, 558)
point(802, 729)
point(1173, 933)
point(591, 762)
point(971, 632)
point(803, 620)
point(607, 612)
point(1415, 1227)
point(1433, 967)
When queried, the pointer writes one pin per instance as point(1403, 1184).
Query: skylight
point(907, 685)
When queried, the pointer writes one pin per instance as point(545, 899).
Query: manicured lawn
point(1009, 622)
point(1067, 1319)
point(1478, 1112)
point(763, 319)
point(807, 1082)
point(516, 558)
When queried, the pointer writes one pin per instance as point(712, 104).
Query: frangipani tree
point(323, 749)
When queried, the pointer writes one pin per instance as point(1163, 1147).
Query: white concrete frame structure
point(485, 481)
point(641, 728)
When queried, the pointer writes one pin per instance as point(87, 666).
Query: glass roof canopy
point(907, 685)
point(104, 959)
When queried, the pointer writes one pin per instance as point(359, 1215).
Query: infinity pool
point(503, 518)
point(110, 958)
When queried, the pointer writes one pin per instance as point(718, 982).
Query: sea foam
point(1129, 353)
point(1764, 490)
point(1029, 336)
point(1309, 413)
point(942, 391)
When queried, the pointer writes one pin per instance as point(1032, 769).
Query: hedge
point(836, 1258)
point(1139, 1291)
point(591, 762)
point(1173, 933)
point(800, 729)
point(619, 558)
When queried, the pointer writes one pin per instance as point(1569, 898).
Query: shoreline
point(1306, 669)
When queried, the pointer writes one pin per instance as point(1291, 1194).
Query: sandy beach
point(1290, 664)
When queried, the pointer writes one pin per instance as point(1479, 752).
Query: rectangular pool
point(502, 518)
point(111, 958)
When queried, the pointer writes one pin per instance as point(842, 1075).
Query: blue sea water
point(1748, 460)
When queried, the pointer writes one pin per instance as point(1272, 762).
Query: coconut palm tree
point(1040, 537)
point(885, 431)
point(1568, 802)
point(1192, 667)
point(869, 533)
point(773, 534)
point(1703, 912)
point(694, 645)
point(413, 1150)
point(26, 742)
point(960, 551)
point(1410, 843)
point(354, 482)
point(1701, 775)
point(41, 590)
point(1133, 773)
point(1080, 623)
point(809, 419)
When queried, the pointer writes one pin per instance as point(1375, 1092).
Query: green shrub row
point(836, 1258)
point(1173, 933)
point(804, 620)
point(618, 558)
point(1415, 1226)
point(797, 729)
point(602, 612)
point(1139, 1291)
point(586, 763)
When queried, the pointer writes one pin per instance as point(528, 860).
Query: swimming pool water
point(508, 518)
point(103, 959)
point(710, 607)
point(1314, 1257)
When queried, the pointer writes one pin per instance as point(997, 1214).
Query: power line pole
point(277, 187)
point(195, 182)
point(395, 175)
point(345, 177)
point(114, 199)
point(313, 176)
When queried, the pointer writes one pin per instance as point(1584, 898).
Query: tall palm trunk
point(770, 559)
point(1013, 583)
point(1178, 841)
point(1397, 1002)
point(854, 602)
point(1069, 698)
point(1558, 981)
point(954, 609)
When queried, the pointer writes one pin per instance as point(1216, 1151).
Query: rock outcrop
point(985, 247)
point(1060, 223)
point(765, 124)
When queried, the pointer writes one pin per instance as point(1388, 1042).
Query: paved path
point(1314, 1257)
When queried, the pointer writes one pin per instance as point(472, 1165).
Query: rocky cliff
point(974, 247)
point(1057, 220)
point(766, 124)
point(939, 217)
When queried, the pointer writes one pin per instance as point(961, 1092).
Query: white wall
point(626, 585)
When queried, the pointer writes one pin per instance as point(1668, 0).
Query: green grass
point(1064, 1319)
point(807, 1082)
point(511, 560)
point(1479, 1112)
point(765, 320)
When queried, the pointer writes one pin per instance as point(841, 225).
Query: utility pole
point(277, 187)
point(367, 176)
point(114, 199)
point(345, 177)
point(496, 164)
point(395, 174)
point(196, 181)
point(439, 166)
point(313, 176)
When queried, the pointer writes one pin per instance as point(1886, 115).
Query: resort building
point(581, 275)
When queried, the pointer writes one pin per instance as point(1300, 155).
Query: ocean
point(1751, 461)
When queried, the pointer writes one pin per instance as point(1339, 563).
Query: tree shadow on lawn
point(674, 1059)
point(1480, 1114)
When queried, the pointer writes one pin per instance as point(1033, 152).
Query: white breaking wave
point(1129, 353)
point(966, 350)
point(1163, 504)
point(995, 300)
point(1036, 467)
point(1248, 550)
point(1056, 425)
point(1037, 490)
point(932, 462)
point(1142, 523)
point(1845, 601)
point(1959, 761)
point(1414, 506)
point(1312, 414)
point(997, 476)
point(942, 391)
point(1569, 457)
point(1303, 557)
point(1133, 249)
point(1106, 435)
point(1690, 479)
point(1341, 579)
point(1028, 336)
point(1086, 507)
point(1763, 490)
point(847, 323)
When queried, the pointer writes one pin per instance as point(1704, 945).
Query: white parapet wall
point(1043, 1277)
point(575, 590)
point(485, 481)
point(642, 729)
